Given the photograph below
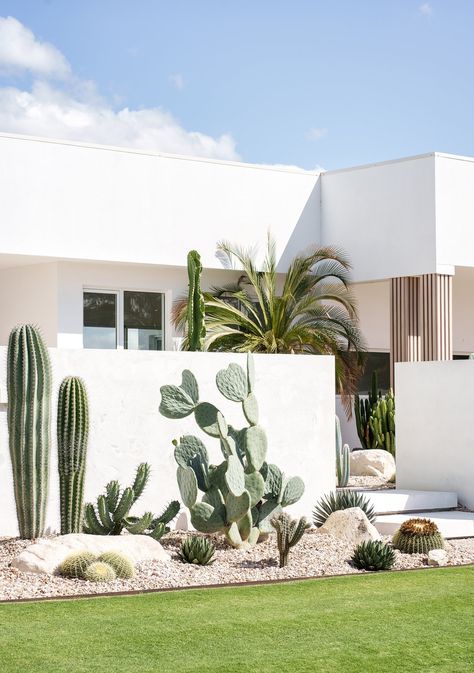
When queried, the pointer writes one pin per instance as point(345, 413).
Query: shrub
point(373, 555)
point(123, 566)
point(418, 536)
point(341, 500)
point(198, 550)
point(76, 564)
point(99, 572)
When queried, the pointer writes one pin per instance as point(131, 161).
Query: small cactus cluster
point(243, 493)
point(197, 549)
point(108, 566)
point(196, 309)
point(417, 536)
point(341, 500)
point(111, 515)
point(373, 555)
point(342, 458)
point(289, 532)
point(29, 426)
point(375, 418)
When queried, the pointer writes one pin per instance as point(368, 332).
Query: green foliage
point(343, 456)
point(195, 308)
point(242, 493)
point(375, 418)
point(197, 549)
point(373, 555)
point(362, 410)
point(99, 572)
point(417, 536)
point(111, 514)
point(289, 533)
point(29, 426)
point(341, 500)
point(72, 434)
point(76, 564)
point(122, 565)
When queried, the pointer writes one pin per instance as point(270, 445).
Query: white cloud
point(316, 133)
point(177, 81)
point(20, 51)
point(73, 109)
point(425, 9)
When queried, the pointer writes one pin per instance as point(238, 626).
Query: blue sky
point(299, 82)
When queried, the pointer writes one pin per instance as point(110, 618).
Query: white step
point(391, 501)
point(451, 524)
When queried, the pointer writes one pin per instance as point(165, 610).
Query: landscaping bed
point(316, 555)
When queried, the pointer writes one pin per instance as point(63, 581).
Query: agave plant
point(341, 500)
point(313, 311)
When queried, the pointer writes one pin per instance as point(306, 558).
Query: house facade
point(94, 241)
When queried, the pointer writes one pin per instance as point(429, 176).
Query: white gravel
point(317, 554)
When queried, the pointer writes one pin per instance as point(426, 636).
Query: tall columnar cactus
point(29, 426)
point(196, 310)
point(342, 458)
point(382, 422)
point(362, 410)
point(72, 433)
point(111, 515)
point(244, 492)
point(289, 533)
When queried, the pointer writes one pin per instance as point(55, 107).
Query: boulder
point(437, 557)
point(372, 463)
point(351, 526)
point(46, 555)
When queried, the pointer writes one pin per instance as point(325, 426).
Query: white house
point(94, 240)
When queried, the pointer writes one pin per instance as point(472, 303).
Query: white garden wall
point(296, 400)
point(435, 439)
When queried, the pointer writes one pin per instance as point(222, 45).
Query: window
point(379, 362)
point(123, 319)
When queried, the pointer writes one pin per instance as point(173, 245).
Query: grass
point(416, 622)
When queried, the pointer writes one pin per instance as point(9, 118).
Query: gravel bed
point(316, 555)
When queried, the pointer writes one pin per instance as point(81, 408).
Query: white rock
point(46, 555)
point(437, 557)
point(350, 525)
point(372, 463)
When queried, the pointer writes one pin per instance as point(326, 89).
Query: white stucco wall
point(296, 401)
point(435, 442)
point(98, 203)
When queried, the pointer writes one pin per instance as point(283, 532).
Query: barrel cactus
point(75, 565)
point(373, 555)
point(111, 514)
point(197, 549)
point(29, 426)
point(99, 572)
point(196, 309)
point(289, 533)
point(72, 433)
point(242, 493)
point(122, 565)
point(343, 456)
point(417, 536)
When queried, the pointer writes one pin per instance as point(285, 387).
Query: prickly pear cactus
point(244, 492)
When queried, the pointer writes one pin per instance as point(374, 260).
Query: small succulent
point(418, 536)
point(373, 555)
point(76, 564)
point(122, 565)
point(341, 500)
point(99, 572)
point(197, 549)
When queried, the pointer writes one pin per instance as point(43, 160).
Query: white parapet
point(394, 501)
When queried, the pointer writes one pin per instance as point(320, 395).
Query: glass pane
point(143, 321)
point(100, 320)
point(379, 362)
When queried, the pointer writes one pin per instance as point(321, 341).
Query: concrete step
point(393, 501)
point(450, 523)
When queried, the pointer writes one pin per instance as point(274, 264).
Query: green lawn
point(416, 622)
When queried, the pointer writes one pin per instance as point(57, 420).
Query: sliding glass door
point(100, 319)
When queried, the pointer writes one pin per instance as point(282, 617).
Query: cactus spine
point(289, 533)
point(72, 432)
point(342, 458)
point(196, 310)
point(29, 426)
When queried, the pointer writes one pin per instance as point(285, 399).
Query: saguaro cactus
point(196, 326)
point(29, 426)
point(72, 432)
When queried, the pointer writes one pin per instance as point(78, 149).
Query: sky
point(305, 83)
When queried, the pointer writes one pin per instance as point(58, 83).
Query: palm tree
point(310, 310)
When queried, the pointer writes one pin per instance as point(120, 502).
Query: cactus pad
point(232, 383)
